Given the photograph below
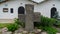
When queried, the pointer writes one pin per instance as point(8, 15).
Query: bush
point(49, 30)
point(17, 21)
point(37, 24)
point(46, 25)
point(45, 21)
point(12, 27)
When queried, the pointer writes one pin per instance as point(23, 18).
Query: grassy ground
point(2, 25)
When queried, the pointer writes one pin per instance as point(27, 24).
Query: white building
point(9, 9)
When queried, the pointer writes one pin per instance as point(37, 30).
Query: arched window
point(21, 10)
point(53, 10)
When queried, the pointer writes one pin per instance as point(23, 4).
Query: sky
point(38, 1)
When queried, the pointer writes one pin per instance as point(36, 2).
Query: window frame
point(11, 10)
point(5, 9)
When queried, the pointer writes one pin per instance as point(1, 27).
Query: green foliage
point(37, 24)
point(46, 25)
point(45, 21)
point(12, 27)
point(57, 24)
point(15, 26)
point(49, 30)
point(2, 25)
point(17, 21)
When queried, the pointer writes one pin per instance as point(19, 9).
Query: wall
point(45, 7)
point(15, 4)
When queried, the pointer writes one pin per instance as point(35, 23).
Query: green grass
point(2, 25)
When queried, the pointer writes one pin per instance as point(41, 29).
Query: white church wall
point(45, 7)
point(15, 4)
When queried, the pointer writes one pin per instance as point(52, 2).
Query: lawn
point(2, 25)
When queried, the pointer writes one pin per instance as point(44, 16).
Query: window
point(21, 10)
point(11, 10)
point(53, 10)
point(5, 9)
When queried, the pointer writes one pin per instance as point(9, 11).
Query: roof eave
point(3, 1)
point(37, 2)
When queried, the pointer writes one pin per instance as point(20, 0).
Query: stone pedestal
point(29, 26)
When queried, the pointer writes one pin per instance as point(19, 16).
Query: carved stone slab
point(29, 26)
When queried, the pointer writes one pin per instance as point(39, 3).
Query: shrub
point(49, 30)
point(57, 24)
point(17, 21)
point(37, 24)
point(12, 27)
point(45, 21)
point(46, 25)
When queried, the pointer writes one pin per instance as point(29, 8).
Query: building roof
point(38, 1)
point(1, 1)
point(35, 1)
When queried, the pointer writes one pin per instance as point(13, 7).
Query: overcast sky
point(38, 1)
